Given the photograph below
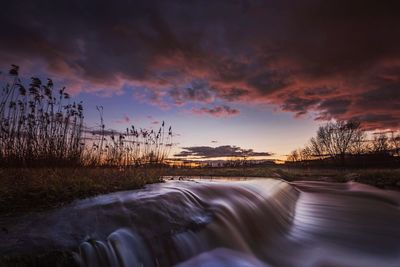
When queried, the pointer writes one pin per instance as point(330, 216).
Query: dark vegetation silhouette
point(346, 143)
point(42, 126)
point(131, 148)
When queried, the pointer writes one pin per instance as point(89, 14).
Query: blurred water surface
point(220, 222)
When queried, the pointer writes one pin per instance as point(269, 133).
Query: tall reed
point(38, 124)
point(131, 148)
point(41, 126)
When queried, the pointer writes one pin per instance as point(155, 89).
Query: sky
point(249, 74)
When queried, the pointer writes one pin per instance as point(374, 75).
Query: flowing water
point(252, 222)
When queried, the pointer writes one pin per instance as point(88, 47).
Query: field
point(32, 189)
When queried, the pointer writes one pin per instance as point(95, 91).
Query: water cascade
point(254, 222)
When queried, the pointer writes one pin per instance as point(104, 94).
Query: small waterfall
point(123, 248)
point(235, 216)
point(255, 222)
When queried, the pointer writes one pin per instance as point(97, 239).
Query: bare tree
point(317, 148)
point(395, 143)
point(306, 153)
point(360, 144)
point(380, 143)
point(293, 156)
point(337, 138)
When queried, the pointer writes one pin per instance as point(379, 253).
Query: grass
point(31, 189)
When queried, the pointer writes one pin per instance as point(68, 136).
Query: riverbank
point(24, 190)
point(34, 189)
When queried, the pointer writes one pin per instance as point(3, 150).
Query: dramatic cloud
point(198, 92)
point(217, 111)
point(206, 152)
point(339, 59)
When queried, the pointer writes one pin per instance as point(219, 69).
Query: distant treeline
point(345, 143)
point(42, 126)
point(230, 163)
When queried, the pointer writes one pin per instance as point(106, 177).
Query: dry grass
point(34, 189)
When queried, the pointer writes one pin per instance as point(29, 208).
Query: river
point(220, 222)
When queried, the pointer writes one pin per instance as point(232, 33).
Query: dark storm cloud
point(386, 97)
point(268, 82)
point(372, 121)
point(221, 151)
point(232, 94)
point(198, 92)
point(298, 104)
point(335, 106)
point(344, 36)
point(340, 59)
point(315, 92)
point(217, 111)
